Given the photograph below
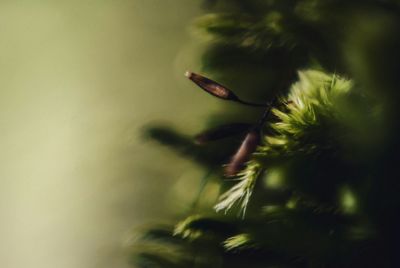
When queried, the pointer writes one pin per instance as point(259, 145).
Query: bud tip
point(188, 74)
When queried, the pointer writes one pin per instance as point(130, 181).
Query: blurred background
point(78, 82)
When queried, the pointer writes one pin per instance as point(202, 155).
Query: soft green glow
point(270, 208)
point(348, 200)
point(291, 203)
point(274, 179)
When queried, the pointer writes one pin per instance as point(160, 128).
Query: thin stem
point(266, 113)
point(252, 103)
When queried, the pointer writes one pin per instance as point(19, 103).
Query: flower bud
point(211, 86)
point(243, 154)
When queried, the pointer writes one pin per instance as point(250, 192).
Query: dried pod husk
point(212, 87)
point(243, 154)
point(221, 132)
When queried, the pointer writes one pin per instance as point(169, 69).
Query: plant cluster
point(310, 168)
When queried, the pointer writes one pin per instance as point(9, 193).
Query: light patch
point(271, 208)
point(348, 200)
point(291, 204)
point(274, 179)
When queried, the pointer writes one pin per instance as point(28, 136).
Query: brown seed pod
point(211, 87)
point(221, 132)
point(218, 90)
point(248, 146)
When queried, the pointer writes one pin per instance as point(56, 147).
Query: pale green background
point(78, 80)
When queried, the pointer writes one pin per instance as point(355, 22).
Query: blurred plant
point(315, 178)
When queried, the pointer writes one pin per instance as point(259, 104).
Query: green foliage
point(242, 191)
point(321, 189)
point(239, 241)
point(197, 226)
point(244, 31)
